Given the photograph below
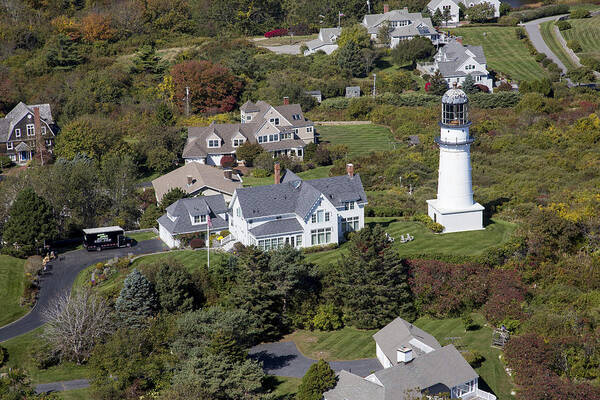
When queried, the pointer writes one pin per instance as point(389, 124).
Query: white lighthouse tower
point(454, 207)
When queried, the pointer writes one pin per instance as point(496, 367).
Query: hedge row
point(541, 12)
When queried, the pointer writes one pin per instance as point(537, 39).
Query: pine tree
point(438, 84)
point(436, 19)
point(137, 301)
point(468, 85)
point(29, 224)
point(318, 379)
point(349, 58)
point(371, 283)
point(146, 60)
point(171, 197)
point(63, 54)
point(224, 345)
point(174, 287)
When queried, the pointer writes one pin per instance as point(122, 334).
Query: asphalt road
point(284, 359)
point(60, 386)
point(59, 279)
point(533, 30)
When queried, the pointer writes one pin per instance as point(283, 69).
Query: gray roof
point(353, 387)
point(277, 227)
point(249, 107)
point(23, 147)
point(433, 4)
point(450, 57)
point(373, 23)
point(203, 176)
point(437, 371)
point(399, 333)
point(183, 209)
point(326, 37)
point(296, 196)
point(103, 229)
point(17, 113)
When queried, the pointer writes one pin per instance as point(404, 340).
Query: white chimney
point(404, 354)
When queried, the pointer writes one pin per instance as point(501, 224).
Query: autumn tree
point(96, 27)
point(213, 88)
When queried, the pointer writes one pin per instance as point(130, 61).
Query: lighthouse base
point(457, 220)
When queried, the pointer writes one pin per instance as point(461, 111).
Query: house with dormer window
point(25, 130)
point(454, 10)
point(196, 215)
point(402, 25)
point(326, 41)
point(280, 130)
point(297, 212)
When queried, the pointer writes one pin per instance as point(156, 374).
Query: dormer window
point(199, 219)
point(214, 143)
point(238, 142)
point(348, 205)
point(274, 121)
point(30, 130)
point(296, 117)
point(18, 132)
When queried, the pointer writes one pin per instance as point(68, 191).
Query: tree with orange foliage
point(213, 87)
point(96, 27)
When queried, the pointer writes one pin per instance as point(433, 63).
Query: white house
point(192, 216)
point(325, 42)
point(455, 61)
point(414, 364)
point(280, 130)
point(403, 25)
point(452, 6)
point(298, 212)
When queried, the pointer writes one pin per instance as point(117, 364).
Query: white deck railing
point(478, 394)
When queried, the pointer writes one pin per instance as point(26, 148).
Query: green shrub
point(507, 20)
point(335, 103)
point(563, 25)
point(511, 325)
point(327, 318)
point(473, 357)
point(42, 355)
point(224, 233)
point(579, 13)
point(3, 356)
point(316, 249)
point(574, 45)
point(429, 223)
point(590, 62)
point(360, 107)
point(520, 33)
point(5, 162)
point(470, 325)
point(495, 100)
point(539, 57)
point(541, 12)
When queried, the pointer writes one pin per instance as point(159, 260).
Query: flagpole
point(208, 244)
point(339, 19)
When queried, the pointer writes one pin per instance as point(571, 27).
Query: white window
point(43, 130)
point(238, 212)
point(13, 157)
point(320, 216)
point(48, 142)
point(320, 236)
point(271, 138)
point(349, 224)
point(214, 143)
point(9, 146)
point(274, 121)
point(238, 142)
point(348, 205)
point(199, 219)
point(285, 135)
point(30, 130)
point(327, 216)
point(298, 240)
point(309, 129)
point(18, 132)
point(295, 131)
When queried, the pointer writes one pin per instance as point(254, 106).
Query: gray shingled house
point(280, 130)
point(414, 364)
point(402, 25)
point(192, 216)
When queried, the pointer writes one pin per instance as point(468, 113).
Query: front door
point(23, 156)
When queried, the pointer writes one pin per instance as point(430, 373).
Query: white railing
point(478, 394)
point(227, 239)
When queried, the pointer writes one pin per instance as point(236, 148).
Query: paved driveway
point(60, 277)
point(533, 30)
point(293, 49)
point(60, 386)
point(284, 359)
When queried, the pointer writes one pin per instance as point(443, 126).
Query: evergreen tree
point(29, 224)
point(436, 19)
point(174, 287)
point(350, 58)
point(468, 85)
point(224, 345)
point(137, 300)
point(439, 85)
point(371, 283)
point(146, 60)
point(63, 54)
point(383, 34)
point(171, 197)
point(318, 379)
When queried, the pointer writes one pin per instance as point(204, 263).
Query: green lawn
point(360, 139)
point(350, 343)
point(491, 370)
point(315, 173)
point(284, 386)
point(426, 242)
point(142, 236)
point(77, 394)
point(282, 40)
point(587, 32)
point(503, 51)
point(346, 344)
point(12, 281)
point(18, 353)
point(547, 31)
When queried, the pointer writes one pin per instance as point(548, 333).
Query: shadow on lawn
point(491, 208)
point(271, 361)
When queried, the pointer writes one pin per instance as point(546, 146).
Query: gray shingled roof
point(325, 38)
point(399, 333)
point(454, 54)
point(438, 371)
point(277, 227)
point(17, 113)
point(202, 205)
point(23, 147)
point(249, 107)
point(373, 22)
point(296, 196)
point(353, 387)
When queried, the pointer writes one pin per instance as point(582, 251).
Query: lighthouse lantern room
point(454, 207)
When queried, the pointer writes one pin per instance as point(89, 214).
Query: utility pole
point(368, 7)
point(374, 88)
point(187, 100)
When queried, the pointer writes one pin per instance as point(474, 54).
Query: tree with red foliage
point(506, 293)
point(227, 161)
point(213, 87)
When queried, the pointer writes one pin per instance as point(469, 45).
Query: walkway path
point(535, 35)
point(284, 359)
point(61, 386)
point(60, 277)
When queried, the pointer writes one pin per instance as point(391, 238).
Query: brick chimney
point(386, 8)
point(350, 170)
point(286, 100)
point(190, 180)
point(277, 173)
point(227, 173)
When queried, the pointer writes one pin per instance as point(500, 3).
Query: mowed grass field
point(345, 344)
point(503, 51)
point(426, 242)
point(12, 282)
point(547, 31)
point(587, 32)
point(360, 139)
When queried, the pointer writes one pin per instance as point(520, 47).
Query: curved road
point(533, 31)
point(59, 279)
